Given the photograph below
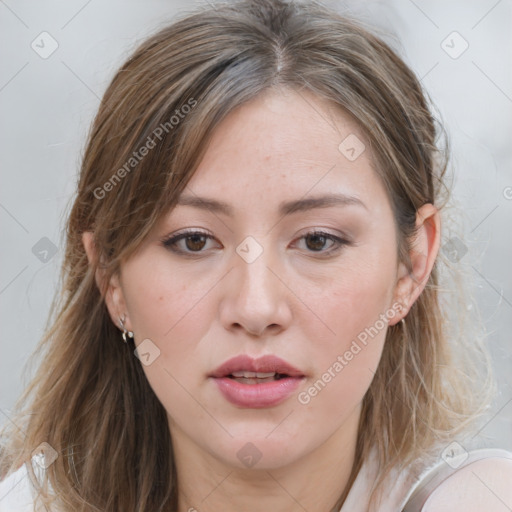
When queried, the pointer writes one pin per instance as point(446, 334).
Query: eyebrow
point(285, 208)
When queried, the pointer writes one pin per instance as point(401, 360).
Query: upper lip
point(264, 364)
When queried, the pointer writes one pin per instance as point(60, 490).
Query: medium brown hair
point(90, 399)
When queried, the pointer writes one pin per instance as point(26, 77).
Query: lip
point(267, 394)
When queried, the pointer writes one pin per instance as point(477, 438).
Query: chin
point(259, 451)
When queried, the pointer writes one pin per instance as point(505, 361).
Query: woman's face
point(255, 280)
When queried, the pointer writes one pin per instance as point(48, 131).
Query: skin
point(291, 302)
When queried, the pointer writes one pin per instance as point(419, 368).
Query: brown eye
point(195, 242)
point(315, 241)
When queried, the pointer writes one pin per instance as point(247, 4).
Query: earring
point(125, 332)
point(404, 306)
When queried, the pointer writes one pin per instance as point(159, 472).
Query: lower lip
point(262, 395)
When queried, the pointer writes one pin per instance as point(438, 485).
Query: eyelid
point(189, 231)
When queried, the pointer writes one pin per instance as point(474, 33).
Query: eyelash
point(172, 242)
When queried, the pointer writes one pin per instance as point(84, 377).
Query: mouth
point(257, 383)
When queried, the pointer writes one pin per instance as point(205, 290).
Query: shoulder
point(16, 492)
point(484, 484)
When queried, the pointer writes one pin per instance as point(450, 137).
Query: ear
point(111, 292)
point(422, 254)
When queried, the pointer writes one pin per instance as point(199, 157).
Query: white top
point(411, 494)
point(408, 494)
point(16, 492)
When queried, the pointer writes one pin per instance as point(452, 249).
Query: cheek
point(163, 304)
point(353, 301)
point(174, 313)
point(356, 308)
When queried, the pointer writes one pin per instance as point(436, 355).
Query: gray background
point(47, 105)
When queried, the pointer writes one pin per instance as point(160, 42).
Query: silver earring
point(125, 332)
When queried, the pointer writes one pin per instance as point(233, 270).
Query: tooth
point(241, 373)
point(252, 375)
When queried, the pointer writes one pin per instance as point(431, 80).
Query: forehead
point(285, 145)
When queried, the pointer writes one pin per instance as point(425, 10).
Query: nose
point(256, 297)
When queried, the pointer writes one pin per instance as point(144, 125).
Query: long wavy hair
point(89, 398)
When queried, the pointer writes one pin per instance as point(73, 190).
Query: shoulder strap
point(439, 473)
